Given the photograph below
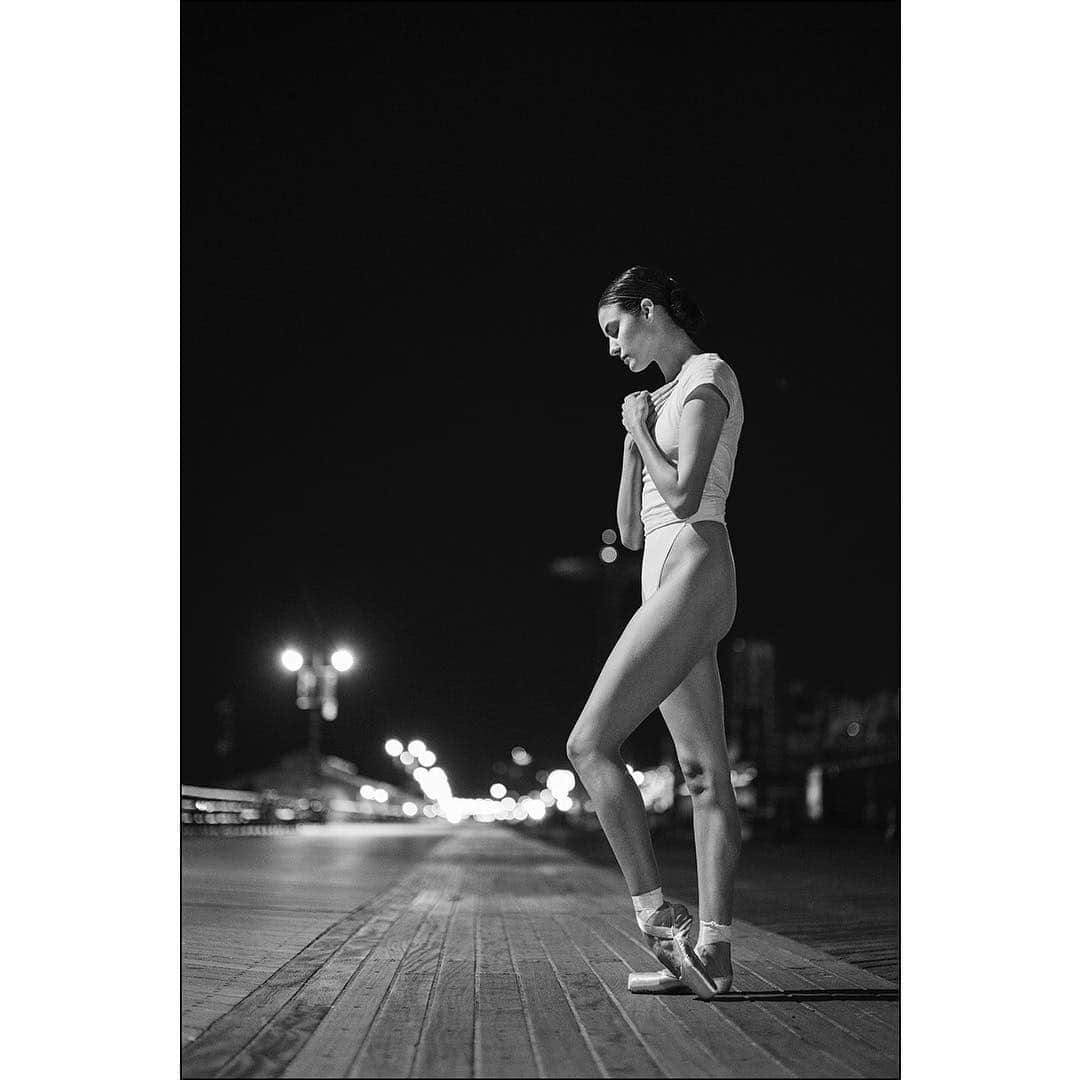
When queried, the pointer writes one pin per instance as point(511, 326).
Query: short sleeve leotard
point(669, 401)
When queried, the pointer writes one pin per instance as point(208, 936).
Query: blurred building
point(338, 787)
point(750, 713)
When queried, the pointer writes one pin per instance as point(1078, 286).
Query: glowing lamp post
point(316, 691)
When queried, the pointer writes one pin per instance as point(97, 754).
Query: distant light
point(292, 660)
point(427, 759)
point(521, 756)
point(561, 782)
point(498, 791)
point(417, 747)
point(639, 777)
point(394, 747)
point(608, 536)
point(608, 554)
point(342, 660)
point(547, 798)
point(406, 758)
point(381, 795)
point(367, 792)
point(430, 811)
point(419, 773)
point(409, 809)
point(535, 809)
point(507, 803)
point(329, 709)
point(564, 803)
point(815, 803)
point(853, 728)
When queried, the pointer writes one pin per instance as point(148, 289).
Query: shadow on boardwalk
point(492, 955)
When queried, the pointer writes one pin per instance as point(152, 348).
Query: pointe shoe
point(653, 982)
point(667, 933)
point(712, 957)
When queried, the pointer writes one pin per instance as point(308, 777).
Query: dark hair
point(633, 285)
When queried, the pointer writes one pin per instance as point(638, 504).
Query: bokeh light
point(292, 660)
point(342, 659)
point(394, 747)
point(561, 782)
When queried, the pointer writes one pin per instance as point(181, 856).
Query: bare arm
point(628, 512)
point(682, 484)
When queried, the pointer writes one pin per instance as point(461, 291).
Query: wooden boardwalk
point(492, 955)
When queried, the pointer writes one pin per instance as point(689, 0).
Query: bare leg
point(694, 713)
point(661, 644)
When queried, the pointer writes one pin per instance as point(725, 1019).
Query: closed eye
point(608, 329)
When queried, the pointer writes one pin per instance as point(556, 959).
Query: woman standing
point(678, 462)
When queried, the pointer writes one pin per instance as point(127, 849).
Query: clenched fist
point(638, 412)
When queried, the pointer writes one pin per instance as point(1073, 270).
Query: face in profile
point(631, 337)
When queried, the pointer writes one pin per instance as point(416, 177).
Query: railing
point(224, 811)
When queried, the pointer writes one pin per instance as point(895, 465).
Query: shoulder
point(706, 370)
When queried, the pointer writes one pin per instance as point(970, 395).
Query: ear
point(647, 308)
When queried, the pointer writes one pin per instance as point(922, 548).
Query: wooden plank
point(842, 1015)
point(842, 973)
point(446, 1042)
point(390, 1045)
point(561, 1047)
point(493, 953)
point(448, 1034)
point(503, 1043)
point(392, 1041)
point(355, 1010)
point(211, 1052)
point(618, 1047)
point(672, 1044)
point(558, 948)
point(503, 1046)
point(278, 1043)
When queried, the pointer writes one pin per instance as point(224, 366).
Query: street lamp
point(316, 691)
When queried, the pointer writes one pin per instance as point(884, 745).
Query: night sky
point(398, 407)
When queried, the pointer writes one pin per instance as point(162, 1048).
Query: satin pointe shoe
point(716, 957)
point(667, 933)
point(653, 982)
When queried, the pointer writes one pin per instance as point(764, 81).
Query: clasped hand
point(638, 412)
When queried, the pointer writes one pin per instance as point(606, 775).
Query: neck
point(671, 358)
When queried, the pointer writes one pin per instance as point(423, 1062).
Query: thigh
point(663, 641)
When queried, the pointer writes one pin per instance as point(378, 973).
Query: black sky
point(397, 404)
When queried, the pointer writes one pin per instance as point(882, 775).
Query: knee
point(584, 746)
point(709, 784)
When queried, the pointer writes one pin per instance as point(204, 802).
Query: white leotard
point(669, 400)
